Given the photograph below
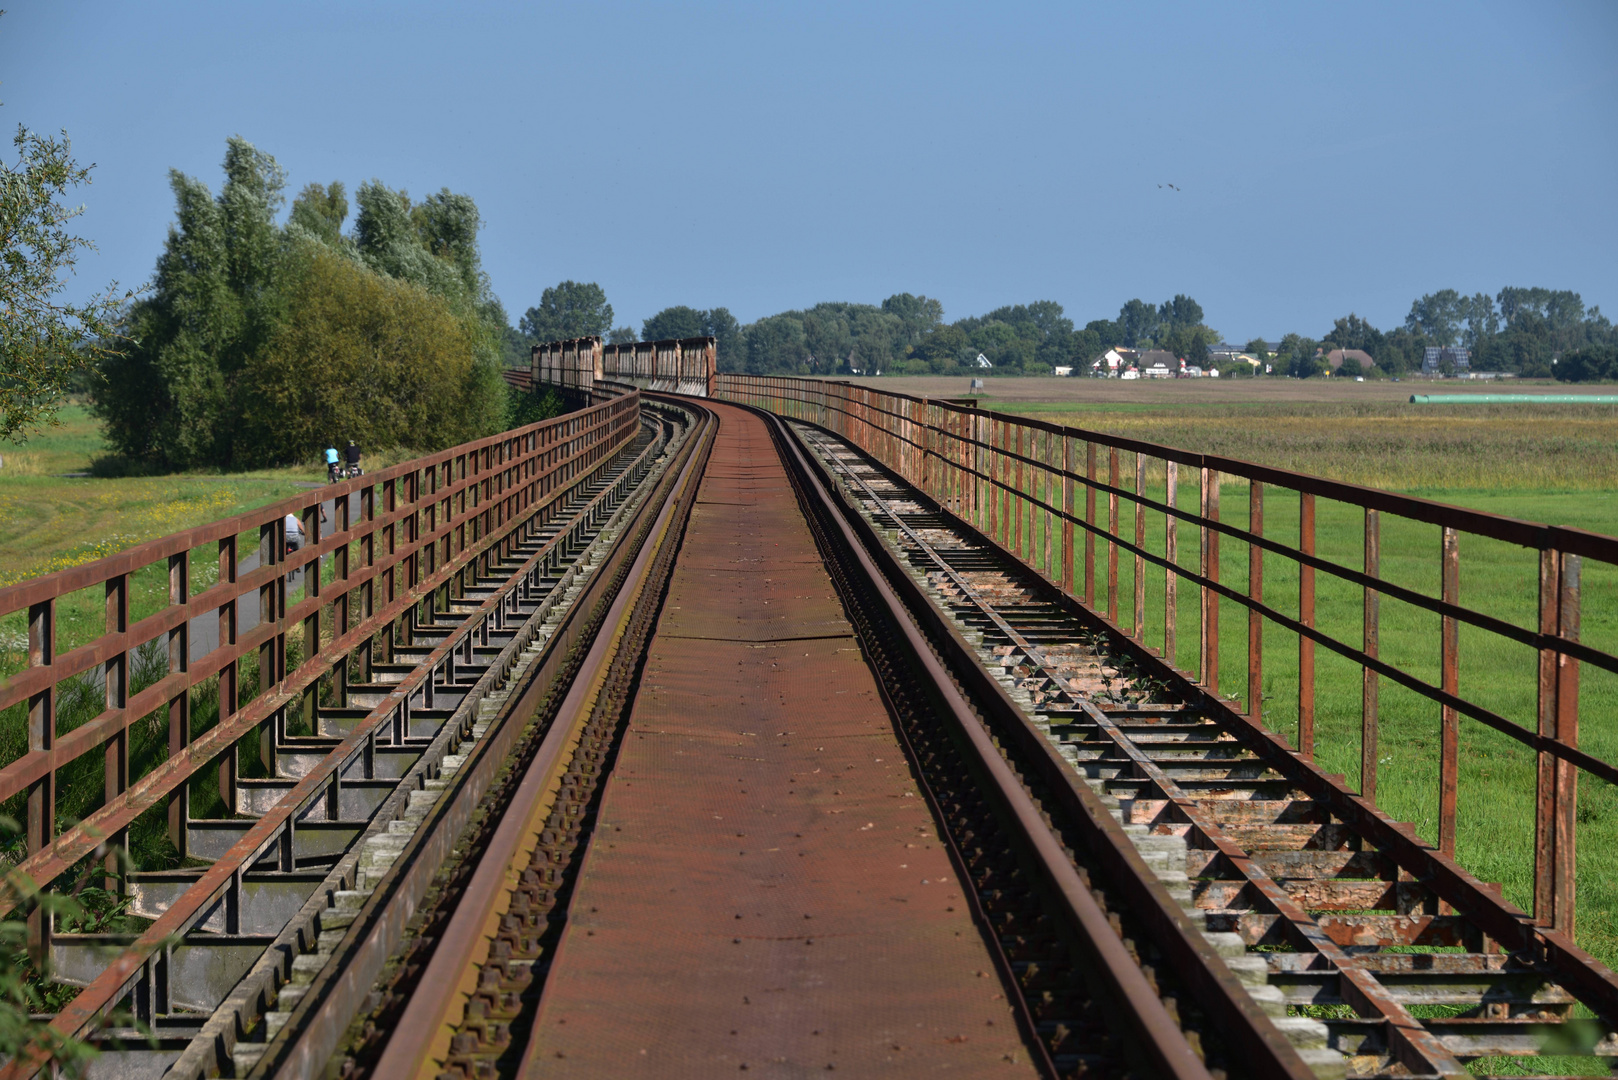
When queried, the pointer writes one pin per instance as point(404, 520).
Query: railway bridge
point(743, 724)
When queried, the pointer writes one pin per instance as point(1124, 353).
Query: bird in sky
point(1175, 188)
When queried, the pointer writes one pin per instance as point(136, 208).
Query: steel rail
point(995, 472)
point(1418, 1049)
point(355, 963)
point(1161, 1038)
point(73, 845)
point(419, 1042)
point(1216, 988)
point(1406, 1037)
point(132, 966)
point(1516, 531)
point(499, 478)
point(339, 990)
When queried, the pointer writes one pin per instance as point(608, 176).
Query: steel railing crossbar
point(122, 975)
point(421, 524)
point(1008, 476)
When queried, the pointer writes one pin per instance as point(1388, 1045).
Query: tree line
point(1531, 332)
point(905, 334)
point(258, 343)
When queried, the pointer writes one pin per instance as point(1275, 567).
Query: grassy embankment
point(1554, 464)
point(50, 522)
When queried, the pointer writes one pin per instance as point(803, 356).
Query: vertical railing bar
point(1368, 678)
point(1210, 569)
point(1255, 592)
point(1070, 465)
point(1564, 890)
point(1112, 534)
point(1449, 752)
point(1090, 523)
point(1139, 625)
point(1020, 495)
point(1171, 555)
point(1306, 616)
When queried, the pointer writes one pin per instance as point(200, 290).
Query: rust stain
point(765, 887)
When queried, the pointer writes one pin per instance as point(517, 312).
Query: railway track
point(1158, 891)
point(1086, 986)
point(1332, 938)
point(360, 781)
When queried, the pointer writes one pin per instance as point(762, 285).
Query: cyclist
point(331, 464)
point(351, 458)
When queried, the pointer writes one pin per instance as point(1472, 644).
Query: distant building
point(1112, 362)
point(1153, 360)
point(1336, 357)
point(1460, 360)
point(1159, 364)
point(1062, 370)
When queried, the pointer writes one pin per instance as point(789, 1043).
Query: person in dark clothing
point(351, 458)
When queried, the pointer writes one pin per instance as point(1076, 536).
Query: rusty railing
point(422, 527)
point(1058, 499)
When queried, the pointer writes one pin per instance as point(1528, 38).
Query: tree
point(1190, 342)
point(1297, 357)
point(1137, 323)
point(170, 398)
point(1181, 311)
point(1481, 321)
point(419, 247)
point(1436, 315)
point(569, 310)
point(1258, 347)
point(675, 322)
point(321, 211)
point(210, 375)
point(623, 335)
point(942, 348)
point(44, 343)
point(719, 324)
point(776, 346)
point(1107, 331)
point(1589, 365)
point(366, 357)
point(1351, 332)
point(917, 314)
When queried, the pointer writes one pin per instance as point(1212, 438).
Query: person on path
point(352, 457)
point(295, 538)
point(331, 464)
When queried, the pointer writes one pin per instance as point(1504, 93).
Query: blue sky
point(768, 156)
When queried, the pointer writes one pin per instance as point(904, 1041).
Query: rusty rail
point(1004, 474)
point(422, 526)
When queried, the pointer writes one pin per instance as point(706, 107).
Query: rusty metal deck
point(766, 888)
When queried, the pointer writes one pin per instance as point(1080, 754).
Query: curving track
point(756, 760)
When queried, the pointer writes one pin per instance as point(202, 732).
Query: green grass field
point(1556, 464)
point(51, 520)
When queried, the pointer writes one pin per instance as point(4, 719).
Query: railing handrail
point(996, 470)
point(420, 523)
